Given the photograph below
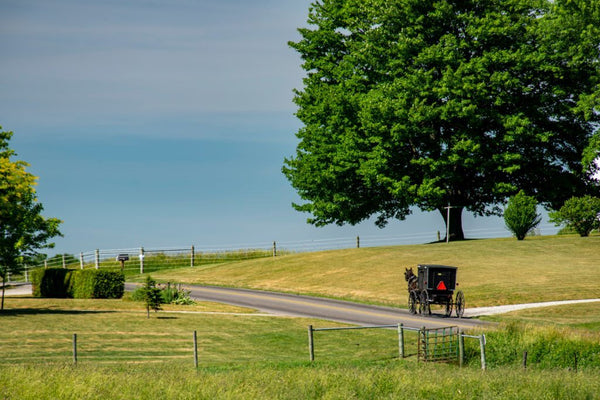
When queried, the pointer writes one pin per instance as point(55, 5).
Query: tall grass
point(356, 380)
point(547, 348)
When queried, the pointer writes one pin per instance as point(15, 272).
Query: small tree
point(151, 295)
point(520, 215)
point(579, 213)
point(23, 229)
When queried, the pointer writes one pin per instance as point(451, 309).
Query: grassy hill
point(491, 271)
point(122, 354)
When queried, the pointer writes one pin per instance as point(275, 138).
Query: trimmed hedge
point(78, 284)
point(51, 282)
point(98, 284)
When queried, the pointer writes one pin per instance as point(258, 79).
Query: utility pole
point(448, 221)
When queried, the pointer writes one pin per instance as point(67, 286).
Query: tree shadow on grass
point(14, 312)
point(454, 241)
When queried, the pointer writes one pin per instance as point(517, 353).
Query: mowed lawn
point(490, 272)
point(118, 332)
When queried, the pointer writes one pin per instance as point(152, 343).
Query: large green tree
point(23, 230)
point(444, 103)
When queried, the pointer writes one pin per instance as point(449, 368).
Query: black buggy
point(433, 284)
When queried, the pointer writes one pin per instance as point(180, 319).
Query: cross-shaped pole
point(448, 221)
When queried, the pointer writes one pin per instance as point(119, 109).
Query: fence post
point(193, 256)
point(195, 350)
point(461, 349)
point(64, 264)
point(274, 249)
point(358, 242)
point(423, 344)
point(75, 348)
point(26, 274)
point(45, 264)
point(401, 340)
point(311, 347)
point(482, 345)
point(97, 259)
point(81, 260)
point(141, 260)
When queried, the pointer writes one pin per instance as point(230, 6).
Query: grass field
point(491, 272)
point(124, 355)
point(117, 331)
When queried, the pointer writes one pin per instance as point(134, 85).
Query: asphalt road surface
point(327, 309)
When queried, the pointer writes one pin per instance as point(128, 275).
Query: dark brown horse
point(411, 278)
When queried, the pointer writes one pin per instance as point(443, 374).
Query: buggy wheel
point(448, 306)
point(425, 307)
point(460, 304)
point(412, 302)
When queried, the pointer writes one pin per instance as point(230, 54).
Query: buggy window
point(443, 279)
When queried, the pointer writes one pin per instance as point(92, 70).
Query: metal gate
point(439, 345)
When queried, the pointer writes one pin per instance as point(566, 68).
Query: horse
point(411, 278)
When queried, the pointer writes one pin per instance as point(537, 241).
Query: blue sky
point(166, 123)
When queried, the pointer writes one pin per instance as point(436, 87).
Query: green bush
point(108, 285)
point(79, 284)
point(520, 215)
point(175, 295)
point(51, 282)
point(171, 294)
point(82, 284)
point(579, 213)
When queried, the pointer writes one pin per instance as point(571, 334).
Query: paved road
point(332, 310)
point(311, 307)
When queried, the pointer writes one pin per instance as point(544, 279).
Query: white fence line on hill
point(139, 258)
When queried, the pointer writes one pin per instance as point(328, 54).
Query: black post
point(75, 348)
point(195, 350)
point(311, 348)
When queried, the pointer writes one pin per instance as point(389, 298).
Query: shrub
point(175, 295)
point(51, 282)
point(520, 215)
point(579, 213)
point(79, 284)
point(170, 294)
point(109, 285)
point(82, 284)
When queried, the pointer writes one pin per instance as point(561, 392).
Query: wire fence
point(139, 260)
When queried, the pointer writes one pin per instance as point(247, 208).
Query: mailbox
point(123, 257)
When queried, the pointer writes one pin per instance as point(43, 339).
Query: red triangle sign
point(441, 286)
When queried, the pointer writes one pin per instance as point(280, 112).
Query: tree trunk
point(455, 228)
point(3, 289)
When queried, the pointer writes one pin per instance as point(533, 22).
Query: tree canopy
point(23, 230)
point(449, 103)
